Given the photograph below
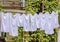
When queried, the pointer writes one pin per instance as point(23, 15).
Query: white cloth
point(56, 19)
point(21, 20)
point(42, 21)
point(29, 22)
point(33, 23)
point(49, 27)
point(14, 24)
point(53, 19)
point(5, 22)
point(26, 26)
point(37, 17)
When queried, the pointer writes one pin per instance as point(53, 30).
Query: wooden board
point(13, 7)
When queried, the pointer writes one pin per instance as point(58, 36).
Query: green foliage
point(42, 37)
point(32, 6)
point(50, 5)
point(1, 6)
point(35, 5)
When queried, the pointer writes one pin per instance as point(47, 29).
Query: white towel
point(56, 19)
point(5, 22)
point(37, 17)
point(33, 23)
point(25, 23)
point(14, 25)
point(49, 27)
point(42, 20)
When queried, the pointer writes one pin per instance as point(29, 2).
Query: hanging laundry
point(5, 22)
point(29, 22)
point(20, 20)
point(49, 27)
point(37, 17)
point(26, 26)
point(53, 19)
point(24, 22)
point(33, 23)
point(42, 21)
point(56, 19)
point(14, 24)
